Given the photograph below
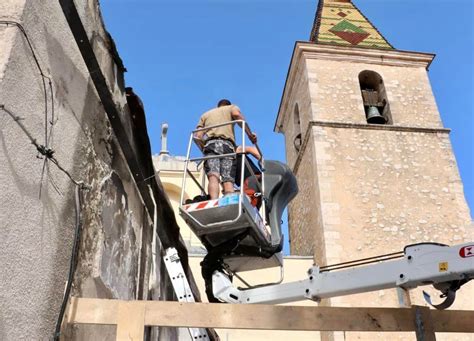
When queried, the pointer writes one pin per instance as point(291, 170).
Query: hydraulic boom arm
point(446, 268)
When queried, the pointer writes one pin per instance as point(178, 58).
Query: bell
point(374, 117)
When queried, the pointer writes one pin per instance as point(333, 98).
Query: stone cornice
point(305, 50)
point(390, 127)
point(364, 55)
point(379, 127)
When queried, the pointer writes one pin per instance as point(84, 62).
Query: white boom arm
point(447, 268)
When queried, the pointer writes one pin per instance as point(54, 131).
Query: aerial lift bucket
point(241, 235)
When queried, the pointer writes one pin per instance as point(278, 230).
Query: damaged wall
point(36, 231)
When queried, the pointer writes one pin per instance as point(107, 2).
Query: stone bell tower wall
point(367, 190)
point(345, 166)
point(336, 94)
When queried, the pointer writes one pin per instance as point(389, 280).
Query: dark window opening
point(297, 126)
point(374, 97)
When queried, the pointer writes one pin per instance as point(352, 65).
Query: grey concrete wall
point(36, 232)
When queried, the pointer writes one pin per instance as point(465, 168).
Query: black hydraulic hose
point(73, 260)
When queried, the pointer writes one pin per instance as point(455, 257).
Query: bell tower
point(365, 140)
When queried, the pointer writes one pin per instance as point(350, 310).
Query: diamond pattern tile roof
point(340, 22)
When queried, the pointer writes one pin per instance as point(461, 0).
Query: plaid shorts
point(225, 167)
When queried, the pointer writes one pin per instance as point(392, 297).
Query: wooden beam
point(92, 311)
point(236, 316)
point(272, 317)
point(449, 321)
point(130, 321)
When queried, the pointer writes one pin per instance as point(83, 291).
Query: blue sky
point(182, 56)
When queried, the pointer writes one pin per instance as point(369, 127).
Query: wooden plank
point(453, 321)
point(92, 311)
point(270, 317)
point(131, 321)
point(236, 316)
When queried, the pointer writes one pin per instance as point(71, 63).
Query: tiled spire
point(340, 22)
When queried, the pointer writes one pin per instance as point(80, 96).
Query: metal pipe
point(164, 139)
point(203, 192)
point(212, 157)
point(183, 184)
point(203, 178)
point(242, 169)
point(249, 286)
point(373, 258)
point(153, 280)
point(252, 173)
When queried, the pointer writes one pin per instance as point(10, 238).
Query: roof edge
point(370, 22)
point(317, 22)
point(275, 128)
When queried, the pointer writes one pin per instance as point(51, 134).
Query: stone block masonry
point(367, 190)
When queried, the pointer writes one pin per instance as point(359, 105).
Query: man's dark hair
point(223, 102)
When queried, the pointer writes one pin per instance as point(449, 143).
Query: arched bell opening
point(297, 124)
point(374, 97)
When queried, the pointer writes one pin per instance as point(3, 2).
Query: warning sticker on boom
point(443, 266)
point(467, 251)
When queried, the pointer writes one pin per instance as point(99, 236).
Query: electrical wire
point(43, 150)
point(53, 184)
point(52, 123)
point(72, 262)
point(44, 77)
point(53, 117)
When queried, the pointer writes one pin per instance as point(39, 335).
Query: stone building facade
point(46, 82)
point(374, 187)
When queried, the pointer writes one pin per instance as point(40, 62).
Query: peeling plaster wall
point(36, 232)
